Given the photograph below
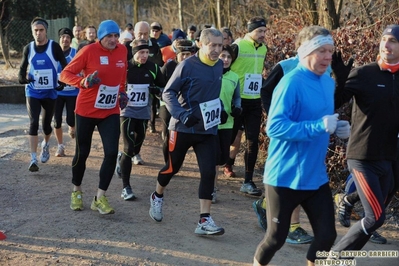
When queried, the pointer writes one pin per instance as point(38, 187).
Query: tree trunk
point(136, 11)
point(4, 48)
point(218, 15)
point(3, 36)
point(308, 6)
point(367, 11)
point(328, 15)
point(181, 15)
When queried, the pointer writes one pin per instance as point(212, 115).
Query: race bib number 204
point(210, 112)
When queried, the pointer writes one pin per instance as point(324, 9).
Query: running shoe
point(299, 236)
point(76, 201)
point(376, 238)
point(214, 196)
point(137, 160)
point(101, 205)
point(251, 189)
point(260, 213)
point(206, 226)
point(127, 193)
point(45, 155)
point(152, 128)
point(228, 171)
point(118, 172)
point(71, 133)
point(60, 151)
point(344, 210)
point(156, 208)
point(33, 166)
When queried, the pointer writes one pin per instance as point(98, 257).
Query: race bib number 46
point(252, 84)
point(210, 112)
point(106, 97)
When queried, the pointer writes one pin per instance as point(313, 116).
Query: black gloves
point(340, 70)
point(61, 86)
point(123, 100)
point(223, 117)
point(154, 89)
point(236, 112)
point(190, 121)
point(25, 81)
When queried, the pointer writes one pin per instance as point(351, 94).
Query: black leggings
point(133, 134)
point(250, 119)
point(281, 202)
point(154, 107)
point(373, 180)
point(223, 144)
point(34, 107)
point(393, 188)
point(109, 131)
point(69, 102)
point(205, 150)
point(165, 119)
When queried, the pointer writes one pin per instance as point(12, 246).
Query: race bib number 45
point(210, 112)
point(43, 79)
point(106, 97)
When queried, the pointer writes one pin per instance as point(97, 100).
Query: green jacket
point(249, 67)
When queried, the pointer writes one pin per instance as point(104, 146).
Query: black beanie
point(256, 24)
point(63, 31)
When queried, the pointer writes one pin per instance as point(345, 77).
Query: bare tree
point(218, 15)
point(328, 16)
point(181, 15)
point(3, 36)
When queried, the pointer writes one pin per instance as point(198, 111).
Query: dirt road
point(42, 230)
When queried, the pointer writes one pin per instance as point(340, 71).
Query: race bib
point(69, 88)
point(43, 79)
point(252, 84)
point(106, 97)
point(138, 95)
point(210, 112)
point(66, 87)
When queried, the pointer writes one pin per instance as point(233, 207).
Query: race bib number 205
point(106, 97)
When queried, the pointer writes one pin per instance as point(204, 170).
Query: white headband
point(309, 46)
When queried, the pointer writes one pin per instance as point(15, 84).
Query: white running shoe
point(137, 160)
point(127, 193)
point(45, 155)
point(156, 208)
point(60, 151)
point(33, 167)
point(207, 226)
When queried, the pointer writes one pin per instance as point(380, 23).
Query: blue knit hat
point(178, 34)
point(392, 30)
point(107, 27)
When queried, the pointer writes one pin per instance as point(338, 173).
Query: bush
point(353, 40)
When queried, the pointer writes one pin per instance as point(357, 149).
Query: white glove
point(330, 123)
point(343, 129)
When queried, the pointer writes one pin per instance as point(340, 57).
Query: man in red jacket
point(102, 92)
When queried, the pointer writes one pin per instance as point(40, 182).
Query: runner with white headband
point(299, 124)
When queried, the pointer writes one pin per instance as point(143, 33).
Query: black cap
point(192, 28)
point(63, 31)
